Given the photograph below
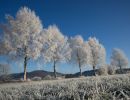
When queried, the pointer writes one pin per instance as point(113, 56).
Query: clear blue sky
point(108, 20)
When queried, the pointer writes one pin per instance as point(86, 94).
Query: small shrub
point(28, 80)
point(59, 78)
point(102, 70)
point(48, 77)
point(36, 78)
point(111, 70)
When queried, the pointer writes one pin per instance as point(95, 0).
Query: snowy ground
point(114, 87)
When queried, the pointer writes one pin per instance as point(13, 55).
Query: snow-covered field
point(115, 87)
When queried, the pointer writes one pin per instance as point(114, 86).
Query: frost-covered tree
point(21, 36)
point(119, 59)
point(98, 53)
point(57, 47)
point(4, 69)
point(80, 52)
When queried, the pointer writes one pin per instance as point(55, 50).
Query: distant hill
point(37, 73)
point(91, 73)
point(42, 74)
point(85, 73)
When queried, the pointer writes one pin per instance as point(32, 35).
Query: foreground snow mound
point(114, 87)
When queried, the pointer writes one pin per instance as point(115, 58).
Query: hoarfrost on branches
point(80, 52)
point(57, 47)
point(119, 59)
point(21, 35)
point(98, 53)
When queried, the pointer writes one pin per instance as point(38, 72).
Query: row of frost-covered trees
point(24, 37)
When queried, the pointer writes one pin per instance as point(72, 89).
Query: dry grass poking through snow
point(115, 87)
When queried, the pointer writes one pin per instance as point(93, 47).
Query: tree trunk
point(55, 69)
point(79, 63)
point(25, 67)
point(80, 72)
point(80, 69)
point(94, 70)
point(120, 69)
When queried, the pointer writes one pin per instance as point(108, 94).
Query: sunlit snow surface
point(112, 87)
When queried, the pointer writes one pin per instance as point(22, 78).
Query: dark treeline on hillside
point(45, 75)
